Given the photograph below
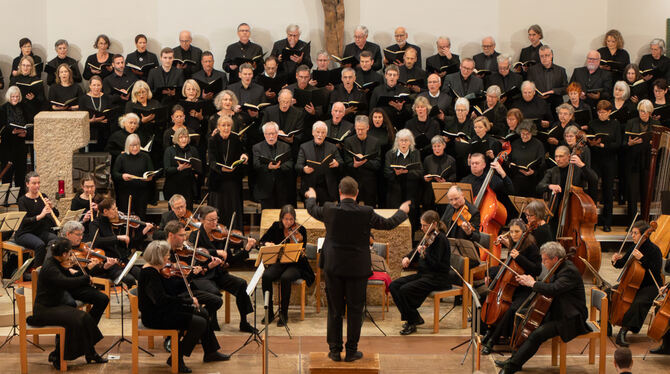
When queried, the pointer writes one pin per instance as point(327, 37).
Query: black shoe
point(487, 349)
point(662, 350)
point(420, 321)
point(182, 366)
point(54, 358)
point(96, 359)
point(281, 322)
point(408, 328)
point(509, 369)
point(606, 228)
point(335, 356)
point(353, 356)
point(621, 338)
point(215, 356)
point(501, 363)
point(246, 327)
point(167, 344)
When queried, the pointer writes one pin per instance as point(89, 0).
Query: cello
point(492, 212)
point(661, 322)
point(629, 280)
point(577, 217)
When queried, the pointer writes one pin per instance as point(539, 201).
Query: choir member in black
point(612, 50)
point(365, 72)
point(221, 279)
point(271, 80)
point(285, 273)
point(31, 86)
point(454, 125)
point(337, 125)
point(35, 229)
point(246, 90)
point(346, 261)
point(141, 59)
point(570, 139)
point(27, 50)
point(141, 101)
point(482, 141)
point(536, 215)
point(623, 108)
point(656, 60)
point(398, 111)
point(513, 120)
point(180, 177)
point(61, 46)
point(433, 261)
point(504, 77)
point(637, 155)
point(403, 172)
point(639, 88)
point(81, 328)
point(660, 98)
point(468, 229)
point(549, 78)
point(227, 105)
point(437, 167)
point(500, 183)
point(127, 174)
point(225, 183)
point(595, 81)
point(244, 49)
point(437, 98)
point(567, 314)
point(362, 157)
point(13, 139)
point(384, 132)
point(99, 63)
point(347, 92)
point(401, 44)
point(194, 117)
point(118, 84)
point(532, 52)
point(649, 256)
point(322, 64)
point(361, 44)
point(189, 55)
point(442, 58)
point(463, 82)
point(303, 77)
point(553, 134)
point(178, 119)
point(323, 177)
point(64, 94)
point(207, 78)
point(575, 94)
point(604, 153)
point(289, 119)
point(487, 60)
point(532, 105)
point(166, 81)
point(95, 102)
point(411, 70)
point(495, 111)
point(292, 41)
point(129, 123)
point(162, 308)
point(84, 200)
point(527, 256)
point(526, 160)
point(272, 187)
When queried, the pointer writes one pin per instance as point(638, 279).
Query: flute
point(53, 215)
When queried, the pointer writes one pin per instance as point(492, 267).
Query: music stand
point(474, 328)
point(440, 190)
point(9, 222)
point(72, 215)
point(18, 274)
point(8, 195)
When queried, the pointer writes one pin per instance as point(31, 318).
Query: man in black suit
point(504, 78)
point(165, 81)
point(488, 59)
point(292, 41)
point(316, 173)
point(346, 261)
point(288, 117)
point(243, 50)
point(567, 314)
point(186, 51)
point(364, 170)
point(464, 82)
point(361, 44)
point(596, 82)
point(401, 44)
point(272, 186)
point(549, 78)
point(443, 57)
point(467, 230)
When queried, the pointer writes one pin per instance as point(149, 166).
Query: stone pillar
point(57, 136)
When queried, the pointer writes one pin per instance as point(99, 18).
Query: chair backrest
point(381, 249)
point(33, 282)
point(599, 304)
point(21, 305)
point(461, 264)
point(310, 251)
point(134, 308)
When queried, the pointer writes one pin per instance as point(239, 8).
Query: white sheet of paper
point(254, 280)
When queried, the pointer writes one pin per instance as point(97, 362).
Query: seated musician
point(650, 257)
point(527, 256)
point(567, 313)
point(85, 201)
point(500, 183)
point(220, 278)
point(161, 308)
point(536, 215)
point(434, 258)
point(81, 328)
point(468, 228)
point(177, 212)
point(35, 229)
point(284, 231)
point(664, 348)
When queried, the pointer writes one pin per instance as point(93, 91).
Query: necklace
point(99, 106)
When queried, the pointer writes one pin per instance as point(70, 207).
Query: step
point(319, 363)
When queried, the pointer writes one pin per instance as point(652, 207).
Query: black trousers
point(633, 319)
point(36, 242)
point(285, 274)
point(636, 191)
point(228, 200)
point(409, 293)
point(606, 170)
point(223, 280)
point(81, 328)
point(341, 292)
point(93, 296)
point(113, 272)
point(543, 333)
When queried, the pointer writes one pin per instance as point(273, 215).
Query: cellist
point(650, 257)
point(527, 256)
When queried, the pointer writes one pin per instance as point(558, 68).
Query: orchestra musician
point(468, 228)
point(664, 348)
point(177, 212)
point(650, 257)
point(500, 183)
point(567, 314)
point(536, 215)
point(433, 260)
point(84, 200)
point(286, 230)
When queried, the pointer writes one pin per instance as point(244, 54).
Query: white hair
point(12, 90)
point(362, 29)
point(461, 101)
point(318, 124)
point(270, 124)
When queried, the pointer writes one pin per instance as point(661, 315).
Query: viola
point(133, 220)
point(661, 322)
point(187, 219)
point(293, 234)
point(95, 255)
point(172, 270)
point(428, 238)
point(461, 216)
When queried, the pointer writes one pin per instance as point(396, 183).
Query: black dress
point(34, 85)
point(95, 106)
point(637, 159)
point(139, 189)
point(523, 153)
point(407, 186)
point(459, 150)
point(61, 94)
point(13, 148)
point(423, 132)
point(93, 60)
point(443, 165)
point(226, 187)
point(183, 181)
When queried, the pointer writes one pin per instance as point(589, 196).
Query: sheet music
point(254, 280)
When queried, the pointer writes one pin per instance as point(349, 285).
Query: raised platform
point(319, 363)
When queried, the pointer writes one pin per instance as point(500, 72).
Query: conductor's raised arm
point(380, 223)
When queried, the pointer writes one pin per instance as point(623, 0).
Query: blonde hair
point(178, 133)
point(137, 87)
point(33, 72)
point(422, 101)
point(193, 83)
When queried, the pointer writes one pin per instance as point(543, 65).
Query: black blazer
point(457, 232)
point(346, 250)
point(266, 178)
point(332, 175)
point(581, 177)
point(295, 119)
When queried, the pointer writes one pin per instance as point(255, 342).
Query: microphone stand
point(474, 326)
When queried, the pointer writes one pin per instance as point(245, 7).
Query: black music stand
point(18, 274)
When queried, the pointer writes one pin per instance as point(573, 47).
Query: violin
point(71, 261)
point(428, 239)
point(188, 250)
point(220, 232)
point(133, 220)
point(461, 216)
point(292, 234)
point(172, 270)
point(95, 255)
point(187, 219)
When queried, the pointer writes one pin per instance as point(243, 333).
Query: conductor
point(346, 261)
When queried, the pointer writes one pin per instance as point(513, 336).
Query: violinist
point(57, 278)
point(650, 257)
point(286, 230)
point(177, 212)
point(434, 256)
point(465, 228)
point(536, 215)
point(220, 279)
point(526, 255)
point(162, 308)
point(567, 313)
point(85, 201)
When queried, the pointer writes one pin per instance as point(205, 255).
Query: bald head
point(185, 39)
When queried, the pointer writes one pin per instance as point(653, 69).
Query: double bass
point(492, 212)
point(577, 217)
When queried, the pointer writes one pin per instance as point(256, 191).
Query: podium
point(319, 363)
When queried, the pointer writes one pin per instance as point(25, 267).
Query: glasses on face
point(487, 45)
point(213, 219)
point(461, 110)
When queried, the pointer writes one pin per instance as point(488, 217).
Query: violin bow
point(630, 229)
point(230, 230)
point(454, 223)
point(195, 247)
point(196, 209)
point(295, 230)
point(501, 262)
point(423, 241)
point(130, 200)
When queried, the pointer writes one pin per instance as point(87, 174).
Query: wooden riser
point(319, 363)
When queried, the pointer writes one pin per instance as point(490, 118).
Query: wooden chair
point(25, 330)
point(10, 222)
point(462, 264)
point(140, 330)
point(381, 249)
point(106, 289)
point(310, 253)
point(599, 311)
